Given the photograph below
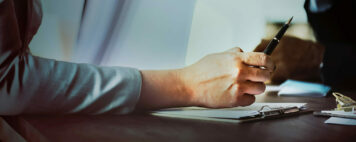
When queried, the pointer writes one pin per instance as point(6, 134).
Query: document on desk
point(303, 89)
point(341, 121)
point(340, 117)
point(341, 113)
point(225, 115)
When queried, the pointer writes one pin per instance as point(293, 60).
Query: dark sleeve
point(335, 29)
point(30, 84)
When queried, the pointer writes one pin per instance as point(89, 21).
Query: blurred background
point(160, 34)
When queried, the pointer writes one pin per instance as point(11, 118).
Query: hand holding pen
point(274, 42)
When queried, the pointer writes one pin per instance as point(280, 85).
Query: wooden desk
point(142, 127)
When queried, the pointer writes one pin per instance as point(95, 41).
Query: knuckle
point(247, 57)
point(239, 89)
point(239, 73)
point(237, 59)
point(263, 59)
point(256, 72)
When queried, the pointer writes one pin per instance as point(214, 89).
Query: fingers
point(245, 100)
point(247, 90)
point(253, 88)
point(254, 74)
point(258, 59)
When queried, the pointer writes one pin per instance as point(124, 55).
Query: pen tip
point(290, 20)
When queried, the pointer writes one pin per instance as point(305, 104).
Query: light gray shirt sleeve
point(30, 84)
point(35, 85)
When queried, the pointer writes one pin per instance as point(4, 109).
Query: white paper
point(272, 88)
point(340, 112)
point(212, 113)
point(300, 88)
point(227, 113)
point(341, 121)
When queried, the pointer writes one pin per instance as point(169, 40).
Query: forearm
point(162, 89)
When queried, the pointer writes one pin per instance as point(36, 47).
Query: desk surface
point(143, 127)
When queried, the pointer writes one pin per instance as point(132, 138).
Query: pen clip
point(277, 112)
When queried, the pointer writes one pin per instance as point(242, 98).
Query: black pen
point(274, 42)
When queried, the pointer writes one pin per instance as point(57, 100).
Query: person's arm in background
point(30, 84)
point(334, 27)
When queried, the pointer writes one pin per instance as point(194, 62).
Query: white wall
point(56, 36)
point(281, 10)
point(154, 35)
point(220, 25)
point(162, 34)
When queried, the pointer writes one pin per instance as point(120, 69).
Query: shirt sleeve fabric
point(333, 29)
point(317, 6)
point(30, 84)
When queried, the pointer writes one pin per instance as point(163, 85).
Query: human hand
point(296, 59)
point(227, 79)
